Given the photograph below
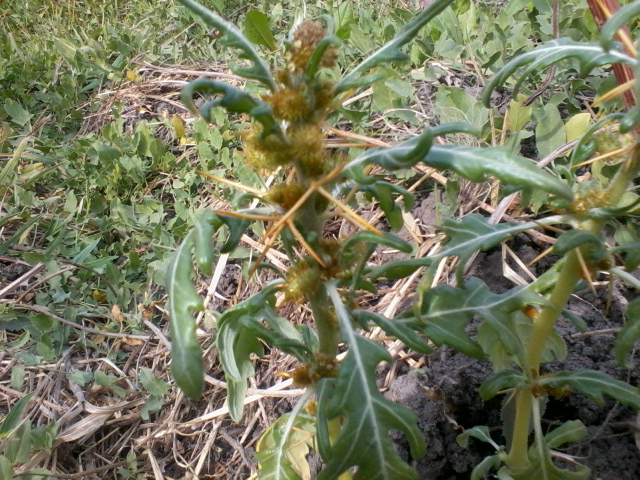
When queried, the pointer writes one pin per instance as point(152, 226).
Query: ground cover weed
point(349, 420)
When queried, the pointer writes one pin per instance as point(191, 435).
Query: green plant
point(350, 419)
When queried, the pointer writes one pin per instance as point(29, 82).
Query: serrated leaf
point(364, 439)
point(595, 385)
point(475, 164)
point(629, 334)
point(258, 30)
point(282, 449)
point(239, 336)
point(588, 56)
point(259, 69)
point(443, 312)
point(186, 354)
point(391, 50)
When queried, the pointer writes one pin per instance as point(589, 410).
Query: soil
point(446, 401)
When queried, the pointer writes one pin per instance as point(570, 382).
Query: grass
point(98, 185)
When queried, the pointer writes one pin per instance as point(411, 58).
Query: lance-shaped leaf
point(186, 354)
point(442, 313)
point(475, 164)
point(629, 334)
point(232, 99)
point(588, 56)
point(403, 155)
point(595, 385)
point(363, 440)
point(395, 329)
point(391, 50)
point(259, 70)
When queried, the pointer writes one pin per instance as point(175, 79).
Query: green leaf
point(503, 380)
point(576, 238)
point(442, 313)
point(454, 104)
point(550, 133)
point(233, 100)
point(397, 269)
point(18, 114)
point(12, 420)
point(258, 30)
point(629, 334)
point(480, 432)
point(186, 354)
point(473, 233)
point(588, 56)
point(239, 336)
point(6, 469)
point(7, 174)
point(153, 385)
point(259, 70)
point(364, 439)
point(475, 164)
point(619, 19)
point(571, 431)
point(577, 126)
point(18, 447)
point(282, 449)
point(391, 50)
point(519, 116)
point(397, 330)
point(595, 385)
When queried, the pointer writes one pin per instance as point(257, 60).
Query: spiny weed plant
point(342, 415)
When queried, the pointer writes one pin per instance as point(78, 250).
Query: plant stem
point(326, 323)
point(543, 325)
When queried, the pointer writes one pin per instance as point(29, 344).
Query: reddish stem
point(623, 73)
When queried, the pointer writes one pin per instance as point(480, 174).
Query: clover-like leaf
point(391, 50)
point(363, 440)
point(259, 70)
point(588, 56)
